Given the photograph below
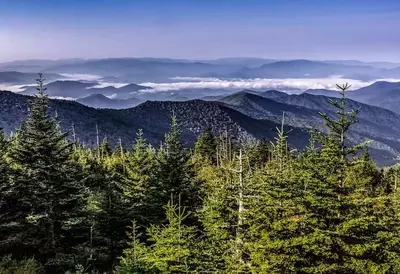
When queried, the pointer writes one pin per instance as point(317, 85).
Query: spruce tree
point(206, 146)
point(171, 247)
point(46, 184)
point(223, 214)
point(173, 176)
point(135, 258)
point(139, 179)
point(275, 215)
point(346, 217)
point(112, 214)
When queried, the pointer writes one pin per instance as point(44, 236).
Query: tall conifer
point(50, 197)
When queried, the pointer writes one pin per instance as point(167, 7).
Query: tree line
point(231, 204)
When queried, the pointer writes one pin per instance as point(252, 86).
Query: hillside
point(152, 116)
point(196, 115)
point(382, 94)
point(264, 108)
point(377, 124)
point(242, 112)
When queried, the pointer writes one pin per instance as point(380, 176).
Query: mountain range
point(121, 95)
point(247, 112)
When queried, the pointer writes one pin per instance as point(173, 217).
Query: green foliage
point(10, 266)
point(139, 179)
point(135, 257)
point(173, 176)
point(171, 249)
point(206, 146)
point(45, 195)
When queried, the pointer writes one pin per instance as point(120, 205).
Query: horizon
point(195, 30)
point(203, 59)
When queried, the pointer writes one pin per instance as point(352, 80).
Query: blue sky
point(200, 29)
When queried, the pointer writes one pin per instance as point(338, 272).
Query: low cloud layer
point(81, 77)
point(288, 85)
point(14, 88)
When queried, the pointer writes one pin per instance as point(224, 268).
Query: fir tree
point(206, 146)
point(114, 215)
point(172, 246)
point(135, 258)
point(341, 201)
point(139, 179)
point(222, 215)
point(274, 214)
point(46, 185)
point(173, 176)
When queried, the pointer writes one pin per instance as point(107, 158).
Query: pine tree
point(10, 266)
point(47, 188)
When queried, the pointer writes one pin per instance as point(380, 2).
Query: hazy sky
point(314, 29)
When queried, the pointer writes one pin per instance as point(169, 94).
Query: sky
point(200, 29)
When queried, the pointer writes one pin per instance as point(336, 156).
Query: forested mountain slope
point(379, 125)
point(153, 117)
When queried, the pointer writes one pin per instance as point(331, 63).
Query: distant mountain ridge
point(81, 89)
point(162, 69)
point(19, 78)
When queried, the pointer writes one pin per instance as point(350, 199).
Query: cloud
point(63, 98)
point(15, 88)
point(108, 84)
point(81, 77)
point(288, 84)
